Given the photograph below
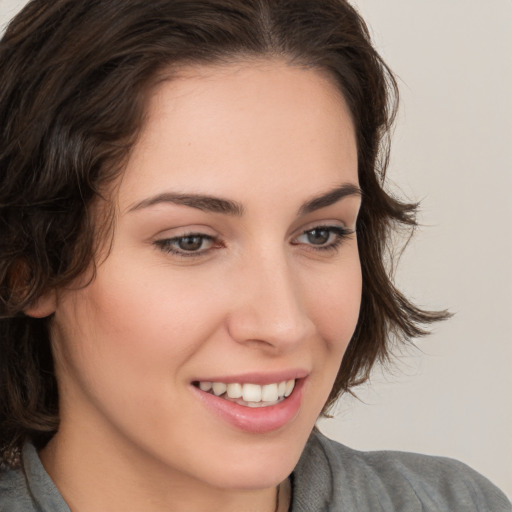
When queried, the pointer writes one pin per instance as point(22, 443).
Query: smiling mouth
point(248, 394)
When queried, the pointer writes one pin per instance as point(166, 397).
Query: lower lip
point(258, 420)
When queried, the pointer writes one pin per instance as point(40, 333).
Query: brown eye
point(323, 238)
point(193, 244)
point(318, 236)
point(190, 242)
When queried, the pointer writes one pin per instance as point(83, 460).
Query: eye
point(324, 237)
point(191, 244)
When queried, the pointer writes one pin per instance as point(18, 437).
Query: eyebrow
point(234, 208)
point(330, 198)
point(199, 201)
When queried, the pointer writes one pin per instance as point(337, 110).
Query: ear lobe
point(42, 307)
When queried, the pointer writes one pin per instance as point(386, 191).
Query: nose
point(269, 310)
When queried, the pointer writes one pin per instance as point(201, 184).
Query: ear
point(42, 307)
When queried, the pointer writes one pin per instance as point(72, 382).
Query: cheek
point(335, 306)
point(121, 346)
point(137, 321)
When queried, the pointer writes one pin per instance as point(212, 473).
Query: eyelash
point(171, 245)
point(339, 233)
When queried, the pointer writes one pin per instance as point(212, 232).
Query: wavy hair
point(75, 79)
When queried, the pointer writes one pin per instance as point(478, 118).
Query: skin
point(260, 298)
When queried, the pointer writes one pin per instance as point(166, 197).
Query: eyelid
point(325, 224)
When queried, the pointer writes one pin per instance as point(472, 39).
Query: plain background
point(452, 150)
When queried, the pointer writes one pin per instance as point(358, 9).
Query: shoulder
point(14, 496)
point(347, 479)
point(29, 488)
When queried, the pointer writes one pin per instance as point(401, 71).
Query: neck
point(284, 496)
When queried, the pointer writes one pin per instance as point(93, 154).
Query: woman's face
point(234, 261)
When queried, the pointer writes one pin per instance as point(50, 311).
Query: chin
point(241, 463)
point(264, 465)
point(253, 476)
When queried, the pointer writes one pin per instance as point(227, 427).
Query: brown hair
point(75, 76)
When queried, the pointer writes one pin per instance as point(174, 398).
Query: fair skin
point(266, 288)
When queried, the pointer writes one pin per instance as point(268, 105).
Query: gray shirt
point(329, 477)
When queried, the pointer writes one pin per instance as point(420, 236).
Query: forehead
point(245, 124)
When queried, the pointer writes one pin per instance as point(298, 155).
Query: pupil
point(318, 236)
point(190, 243)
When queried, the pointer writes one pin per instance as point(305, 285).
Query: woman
point(183, 289)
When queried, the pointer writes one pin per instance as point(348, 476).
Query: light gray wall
point(453, 150)
point(8, 9)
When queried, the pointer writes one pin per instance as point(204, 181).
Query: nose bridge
point(270, 309)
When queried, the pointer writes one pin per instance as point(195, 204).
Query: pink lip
point(258, 377)
point(254, 420)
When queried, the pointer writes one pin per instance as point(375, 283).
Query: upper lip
point(260, 378)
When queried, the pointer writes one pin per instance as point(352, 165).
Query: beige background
point(453, 150)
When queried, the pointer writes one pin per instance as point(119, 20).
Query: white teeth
point(269, 393)
point(219, 388)
point(251, 393)
point(290, 384)
point(205, 386)
point(235, 390)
